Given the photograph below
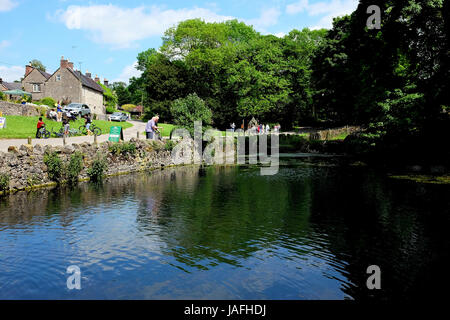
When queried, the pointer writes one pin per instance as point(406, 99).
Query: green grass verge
point(19, 127)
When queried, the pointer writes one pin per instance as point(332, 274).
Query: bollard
point(137, 134)
point(95, 138)
point(64, 139)
point(29, 140)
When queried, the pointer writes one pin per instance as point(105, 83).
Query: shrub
point(192, 108)
point(110, 110)
point(74, 168)
point(123, 148)
point(128, 107)
point(54, 166)
point(170, 144)
point(2, 96)
point(4, 181)
point(97, 170)
point(48, 101)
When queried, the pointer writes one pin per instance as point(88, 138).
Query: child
point(66, 127)
point(88, 124)
point(40, 124)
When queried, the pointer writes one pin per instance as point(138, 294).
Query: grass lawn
point(19, 127)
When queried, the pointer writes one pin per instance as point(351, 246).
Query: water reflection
point(309, 232)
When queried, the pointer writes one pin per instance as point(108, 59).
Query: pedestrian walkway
point(129, 133)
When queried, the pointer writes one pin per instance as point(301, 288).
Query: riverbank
point(24, 168)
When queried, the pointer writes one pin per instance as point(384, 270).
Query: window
point(58, 77)
point(36, 87)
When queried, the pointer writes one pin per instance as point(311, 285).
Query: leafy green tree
point(38, 65)
point(190, 109)
point(122, 93)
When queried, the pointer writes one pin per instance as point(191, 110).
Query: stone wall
point(13, 109)
point(34, 77)
point(329, 134)
point(26, 168)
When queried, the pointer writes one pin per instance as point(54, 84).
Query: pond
point(309, 232)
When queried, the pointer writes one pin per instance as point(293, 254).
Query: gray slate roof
point(12, 85)
point(86, 81)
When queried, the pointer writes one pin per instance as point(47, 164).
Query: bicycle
point(43, 133)
point(93, 128)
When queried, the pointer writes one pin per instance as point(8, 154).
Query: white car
point(118, 116)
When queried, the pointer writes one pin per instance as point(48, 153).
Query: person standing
point(58, 112)
point(267, 129)
point(151, 129)
point(233, 127)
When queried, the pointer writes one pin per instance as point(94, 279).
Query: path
point(129, 133)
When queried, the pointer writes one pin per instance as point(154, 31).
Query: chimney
point(28, 69)
point(64, 63)
point(70, 64)
point(105, 82)
point(88, 74)
point(1, 80)
point(97, 79)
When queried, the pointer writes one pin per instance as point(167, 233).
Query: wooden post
point(64, 139)
point(29, 140)
point(137, 135)
point(95, 138)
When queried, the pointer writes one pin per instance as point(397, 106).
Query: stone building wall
point(26, 168)
point(94, 100)
point(69, 87)
point(35, 77)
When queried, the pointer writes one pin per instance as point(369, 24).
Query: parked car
point(118, 116)
point(77, 109)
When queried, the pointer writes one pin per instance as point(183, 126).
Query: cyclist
point(40, 125)
point(88, 124)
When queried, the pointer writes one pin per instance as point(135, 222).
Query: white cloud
point(4, 44)
point(6, 5)
point(128, 72)
point(328, 9)
point(268, 17)
point(280, 34)
point(297, 7)
point(10, 74)
point(121, 27)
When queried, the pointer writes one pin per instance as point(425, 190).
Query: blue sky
point(105, 37)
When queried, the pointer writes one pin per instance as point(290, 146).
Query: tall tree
point(38, 65)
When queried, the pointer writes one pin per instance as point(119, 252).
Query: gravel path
point(129, 133)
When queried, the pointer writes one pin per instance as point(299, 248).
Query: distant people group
point(263, 129)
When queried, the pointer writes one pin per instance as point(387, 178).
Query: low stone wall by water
point(26, 169)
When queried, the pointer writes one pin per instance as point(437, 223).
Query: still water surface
point(309, 232)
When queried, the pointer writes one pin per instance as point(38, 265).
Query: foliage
point(125, 148)
point(4, 181)
point(38, 65)
point(54, 165)
point(128, 107)
point(110, 110)
point(121, 91)
point(48, 101)
point(190, 109)
point(96, 171)
point(2, 96)
point(74, 168)
point(170, 144)
point(109, 97)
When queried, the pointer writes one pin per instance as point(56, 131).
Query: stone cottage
point(65, 84)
